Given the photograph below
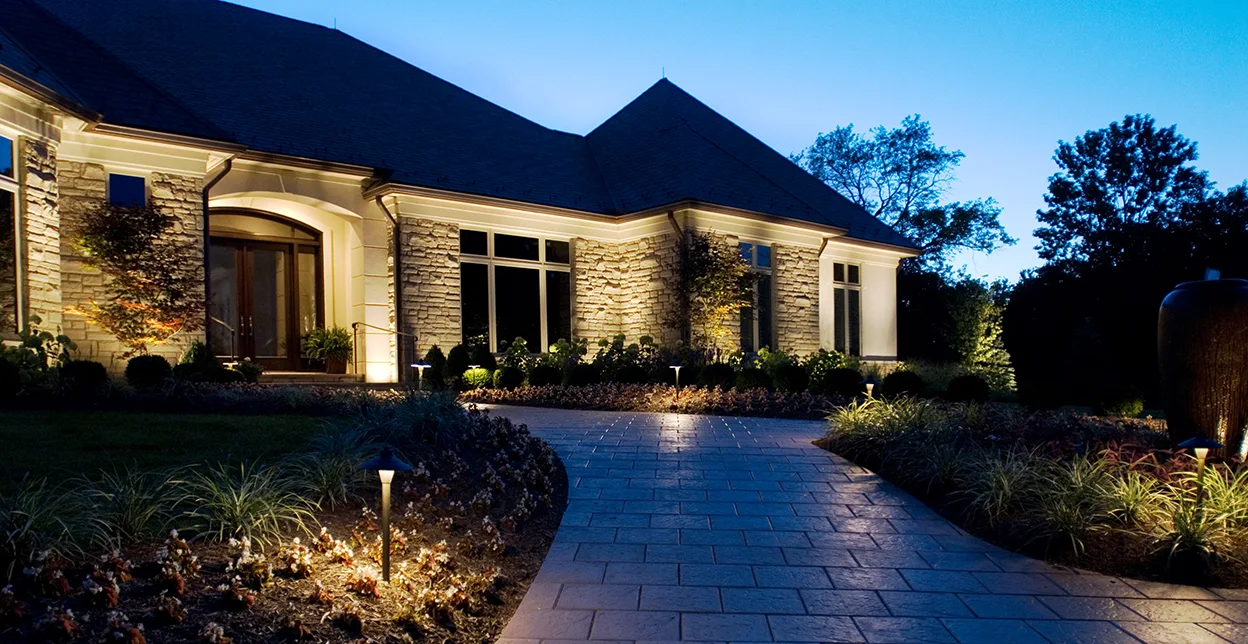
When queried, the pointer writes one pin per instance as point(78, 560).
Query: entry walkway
point(730, 529)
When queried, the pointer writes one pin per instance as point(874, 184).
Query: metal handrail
point(233, 336)
point(355, 337)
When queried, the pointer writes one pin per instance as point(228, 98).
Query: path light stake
point(870, 382)
point(420, 375)
point(1200, 445)
point(386, 465)
point(677, 368)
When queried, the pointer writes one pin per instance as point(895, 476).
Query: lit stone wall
point(795, 279)
point(625, 287)
point(596, 289)
point(431, 304)
point(41, 232)
point(81, 186)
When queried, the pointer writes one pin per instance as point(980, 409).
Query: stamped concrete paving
point(730, 529)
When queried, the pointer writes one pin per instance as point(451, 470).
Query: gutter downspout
point(226, 166)
point(671, 218)
point(398, 288)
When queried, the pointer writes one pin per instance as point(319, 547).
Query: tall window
point(9, 318)
point(514, 286)
point(847, 308)
point(756, 327)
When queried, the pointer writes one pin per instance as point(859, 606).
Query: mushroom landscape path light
point(704, 528)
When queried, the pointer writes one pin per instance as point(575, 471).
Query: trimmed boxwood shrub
point(83, 376)
point(842, 382)
point(631, 374)
point(968, 388)
point(435, 375)
point(481, 356)
point(457, 362)
point(902, 383)
point(753, 379)
point(718, 375)
point(545, 374)
point(508, 378)
point(583, 374)
point(791, 378)
point(145, 372)
point(477, 378)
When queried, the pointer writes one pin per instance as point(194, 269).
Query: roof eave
point(61, 102)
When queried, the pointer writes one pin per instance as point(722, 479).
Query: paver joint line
point(732, 529)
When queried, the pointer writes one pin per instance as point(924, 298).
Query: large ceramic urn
point(1202, 350)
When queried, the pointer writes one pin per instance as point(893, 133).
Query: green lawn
point(70, 443)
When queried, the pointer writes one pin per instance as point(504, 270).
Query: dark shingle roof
point(224, 72)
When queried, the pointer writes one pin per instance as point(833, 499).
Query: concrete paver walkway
point(730, 529)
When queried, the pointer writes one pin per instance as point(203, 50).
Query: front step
point(309, 378)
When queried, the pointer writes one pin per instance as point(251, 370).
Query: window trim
point(769, 271)
point(540, 264)
point(846, 285)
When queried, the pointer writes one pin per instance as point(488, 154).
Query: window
point(126, 190)
point(756, 320)
point(513, 286)
point(847, 308)
point(9, 264)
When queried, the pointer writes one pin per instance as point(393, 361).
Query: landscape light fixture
point(676, 367)
point(420, 374)
point(386, 464)
point(1200, 445)
point(870, 382)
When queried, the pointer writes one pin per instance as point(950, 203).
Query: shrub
point(583, 374)
point(968, 388)
point(822, 363)
point(791, 377)
point(477, 378)
point(517, 355)
point(198, 364)
point(631, 374)
point(544, 374)
point(842, 381)
point(457, 362)
point(244, 501)
point(753, 379)
point(508, 377)
point(481, 356)
point(1120, 401)
point(435, 375)
point(145, 372)
point(936, 375)
point(82, 377)
point(902, 383)
point(718, 374)
point(249, 370)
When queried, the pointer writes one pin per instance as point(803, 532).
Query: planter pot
point(336, 365)
point(1202, 352)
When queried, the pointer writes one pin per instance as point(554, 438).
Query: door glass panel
point(268, 321)
point(223, 300)
point(558, 308)
point(309, 304)
point(517, 305)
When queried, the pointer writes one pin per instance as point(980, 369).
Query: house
point(305, 163)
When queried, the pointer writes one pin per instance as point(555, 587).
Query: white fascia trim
point(134, 156)
point(22, 115)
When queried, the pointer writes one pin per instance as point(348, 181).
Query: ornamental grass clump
point(125, 504)
point(252, 501)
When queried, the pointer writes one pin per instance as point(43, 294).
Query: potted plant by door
point(331, 346)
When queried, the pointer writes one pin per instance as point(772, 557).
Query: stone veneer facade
point(431, 282)
point(42, 232)
point(795, 286)
point(625, 287)
point(83, 185)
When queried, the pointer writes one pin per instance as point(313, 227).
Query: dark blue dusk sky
point(1002, 81)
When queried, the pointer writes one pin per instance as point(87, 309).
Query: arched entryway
point(265, 289)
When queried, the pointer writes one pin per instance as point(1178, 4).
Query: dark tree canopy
point(900, 175)
point(1116, 184)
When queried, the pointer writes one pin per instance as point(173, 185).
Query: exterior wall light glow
point(386, 464)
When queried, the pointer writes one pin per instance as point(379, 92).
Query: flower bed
point(1106, 494)
point(661, 398)
point(290, 549)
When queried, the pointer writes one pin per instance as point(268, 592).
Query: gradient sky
point(1002, 81)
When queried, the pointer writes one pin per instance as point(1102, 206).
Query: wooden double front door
point(264, 297)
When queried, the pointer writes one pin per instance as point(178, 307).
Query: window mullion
point(491, 343)
point(541, 296)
